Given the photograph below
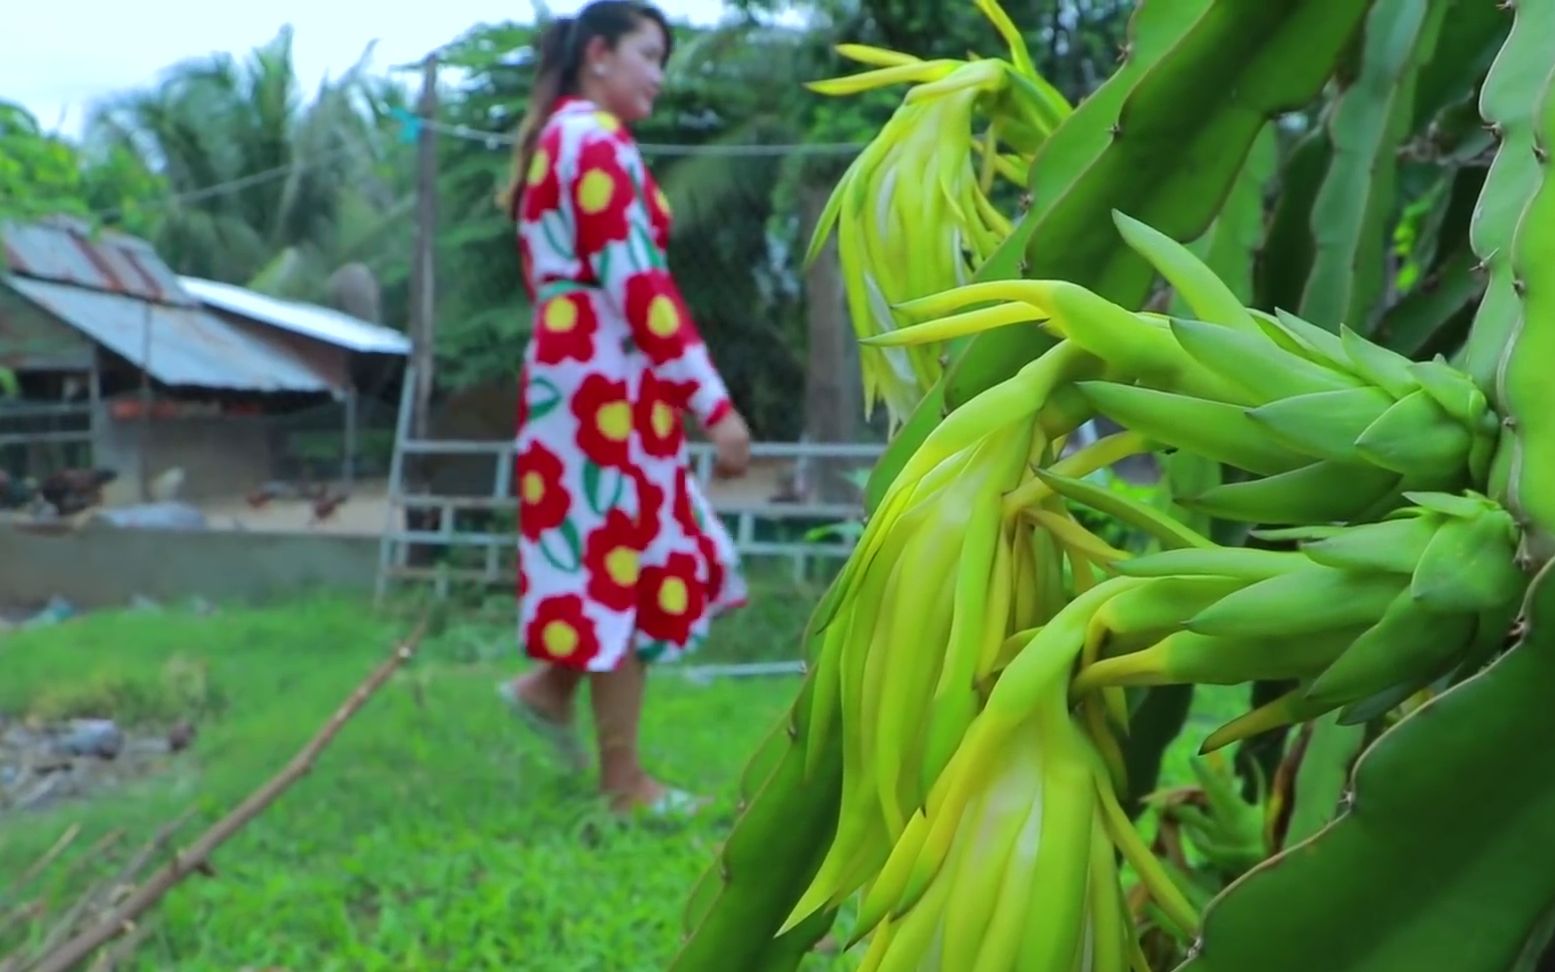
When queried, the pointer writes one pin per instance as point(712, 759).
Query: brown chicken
point(325, 505)
point(73, 490)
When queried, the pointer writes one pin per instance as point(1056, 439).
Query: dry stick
point(42, 863)
point(103, 845)
point(123, 917)
point(66, 926)
point(35, 910)
point(109, 959)
point(26, 911)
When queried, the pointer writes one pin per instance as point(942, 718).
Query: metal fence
point(475, 534)
point(37, 438)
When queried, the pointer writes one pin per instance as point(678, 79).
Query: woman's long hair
point(561, 48)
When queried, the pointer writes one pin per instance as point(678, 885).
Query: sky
point(58, 56)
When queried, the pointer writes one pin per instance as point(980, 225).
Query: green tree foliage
point(268, 190)
point(43, 175)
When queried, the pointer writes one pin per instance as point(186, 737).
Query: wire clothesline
point(495, 139)
point(411, 125)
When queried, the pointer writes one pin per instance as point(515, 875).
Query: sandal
point(670, 805)
point(562, 737)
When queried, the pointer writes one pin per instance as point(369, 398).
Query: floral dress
point(618, 550)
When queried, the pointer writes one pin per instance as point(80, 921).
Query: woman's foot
point(647, 795)
point(535, 700)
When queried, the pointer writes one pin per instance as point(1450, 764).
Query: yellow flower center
point(561, 315)
point(663, 420)
point(673, 596)
point(614, 421)
point(538, 167)
point(621, 565)
point(663, 316)
point(560, 639)
point(534, 488)
point(594, 191)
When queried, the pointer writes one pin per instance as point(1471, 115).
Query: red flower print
point(612, 556)
point(715, 571)
point(523, 581)
point(671, 599)
point(659, 215)
point(604, 420)
point(542, 186)
point(685, 514)
point(602, 195)
point(564, 328)
point(657, 419)
point(677, 393)
point(650, 500)
point(561, 631)
point(542, 500)
point(661, 324)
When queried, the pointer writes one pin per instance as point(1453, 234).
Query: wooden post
point(832, 394)
point(348, 460)
point(143, 462)
point(422, 287)
point(97, 423)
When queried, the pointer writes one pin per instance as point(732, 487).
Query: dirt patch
point(45, 764)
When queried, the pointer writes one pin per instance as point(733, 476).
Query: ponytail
point(555, 75)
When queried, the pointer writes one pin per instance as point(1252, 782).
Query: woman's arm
point(615, 241)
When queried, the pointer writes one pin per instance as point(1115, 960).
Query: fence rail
point(28, 425)
point(498, 546)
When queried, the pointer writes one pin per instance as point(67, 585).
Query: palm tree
point(268, 191)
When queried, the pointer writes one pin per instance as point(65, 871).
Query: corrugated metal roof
point(63, 250)
point(189, 346)
point(107, 285)
point(310, 320)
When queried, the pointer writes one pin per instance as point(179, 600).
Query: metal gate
point(489, 547)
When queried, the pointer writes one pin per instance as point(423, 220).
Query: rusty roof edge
point(198, 349)
point(66, 250)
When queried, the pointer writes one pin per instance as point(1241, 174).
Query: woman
point(620, 561)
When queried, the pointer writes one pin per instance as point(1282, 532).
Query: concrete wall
point(101, 565)
point(220, 456)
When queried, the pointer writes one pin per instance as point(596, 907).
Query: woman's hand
point(731, 439)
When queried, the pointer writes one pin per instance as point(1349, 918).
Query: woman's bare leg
point(549, 690)
point(617, 698)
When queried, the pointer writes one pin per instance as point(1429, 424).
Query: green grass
point(434, 833)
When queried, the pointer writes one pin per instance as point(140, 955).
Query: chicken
point(167, 485)
point(325, 504)
point(261, 496)
point(70, 491)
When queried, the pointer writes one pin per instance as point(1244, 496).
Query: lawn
point(433, 834)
